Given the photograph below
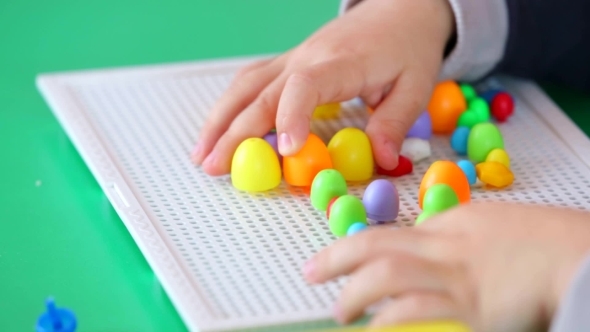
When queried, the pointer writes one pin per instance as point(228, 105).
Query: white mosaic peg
point(416, 149)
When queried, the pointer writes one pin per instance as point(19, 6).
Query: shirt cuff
point(482, 32)
point(346, 5)
point(573, 314)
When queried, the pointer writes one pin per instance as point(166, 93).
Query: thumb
point(393, 118)
point(332, 81)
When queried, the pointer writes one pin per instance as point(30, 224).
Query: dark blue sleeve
point(549, 41)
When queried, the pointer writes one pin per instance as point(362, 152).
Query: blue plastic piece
point(355, 228)
point(489, 95)
point(459, 140)
point(56, 319)
point(469, 169)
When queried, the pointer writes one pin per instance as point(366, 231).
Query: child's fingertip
point(338, 314)
point(197, 149)
point(390, 149)
point(291, 145)
point(285, 144)
point(209, 160)
point(196, 154)
point(387, 156)
point(309, 271)
point(385, 148)
point(214, 165)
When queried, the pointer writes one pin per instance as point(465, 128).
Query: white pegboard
point(230, 260)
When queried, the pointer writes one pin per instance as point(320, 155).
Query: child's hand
point(497, 267)
point(388, 52)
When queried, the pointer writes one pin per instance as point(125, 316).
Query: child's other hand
point(388, 52)
point(497, 267)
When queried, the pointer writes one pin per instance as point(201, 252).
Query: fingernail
point(210, 160)
point(392, 149)
point(391, 156)
point(284, 143)
point(338, 314)
point(196, 153)
point(309, 270)
point(197, 149)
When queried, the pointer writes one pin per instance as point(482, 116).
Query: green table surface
point(59, 235)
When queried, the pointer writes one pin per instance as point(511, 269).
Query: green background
point(58, 233)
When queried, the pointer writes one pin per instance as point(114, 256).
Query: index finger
point(330, 81)
point(244, 89)
point(347, 254)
